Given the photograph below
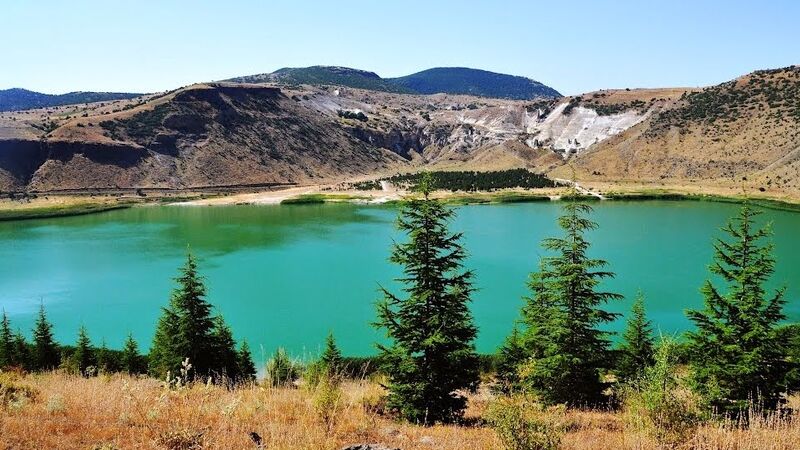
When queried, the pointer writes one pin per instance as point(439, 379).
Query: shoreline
point(53, 205)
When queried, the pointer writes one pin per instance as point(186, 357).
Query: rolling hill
point(481, 83)
point(17, 99)
point(445, 80)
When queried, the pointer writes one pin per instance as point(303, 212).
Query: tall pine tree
point(510, 357)
point(131, 360)
point(738, 350)
point(6, 342)
point(637, 348)
point(431, 357)
point(567, 349)
point(247, 369)
point(21, 356)
point(186, 329)
point(45, 349)
point(84, 354)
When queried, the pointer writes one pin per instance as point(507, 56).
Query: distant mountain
point(19, 99)
point(448, 80)
point(482, 83)
point(321, 75)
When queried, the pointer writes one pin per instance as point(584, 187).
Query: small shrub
point(12, 392)
point(660, 402)
point(327, 398)
point(181, 440)
point(281, 370)
point(522, 424)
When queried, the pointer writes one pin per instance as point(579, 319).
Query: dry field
point(120, 412)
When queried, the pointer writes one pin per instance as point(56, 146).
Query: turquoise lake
point(286, 275)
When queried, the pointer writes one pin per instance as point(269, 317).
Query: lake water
point(286, 275)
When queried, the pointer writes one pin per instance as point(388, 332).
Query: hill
point(324, 75)
point(741, 134)
point(482, 83)
point(20, 99)
point(454, 80)
point(200, 136)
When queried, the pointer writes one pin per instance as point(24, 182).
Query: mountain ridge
point(18, 99)
point(446, 80)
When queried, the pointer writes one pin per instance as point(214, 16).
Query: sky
point(58, 46)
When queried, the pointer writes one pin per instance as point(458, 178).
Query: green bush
point(522, 424)
point(281, 370)
point(660, 402)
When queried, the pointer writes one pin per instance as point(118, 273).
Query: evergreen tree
point(280, 369)
point(247, 369)
point(226, 358)
point(105, 362)
point(738, 351)
point(511, 355)
point(164, 356)
point(637, 349)
point(431, 357)
point(21, 356)
point(195, 324)
point(6, 342)
point(84, 355)
point(566, 347)
point(186, 329)
point(331, 359)
point(45, 351)
point(131, 361)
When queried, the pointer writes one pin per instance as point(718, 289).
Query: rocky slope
point(231, 134)
point(205, 135)
point(743, 133)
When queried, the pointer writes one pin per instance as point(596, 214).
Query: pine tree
point(21, 356)
point(195, 323)
point(45, 352)
point(331, 358)
point(738, 351)
point(637, 349)
point(104, 360)
point(247, 369)
point(225, 362)
point(186, 329)
point(431, 357)
point(566, 347)
point(280, 369)
point(84, 355)
point(131, 361)
point(511, 355)
point(6, 342)
point(164, 357)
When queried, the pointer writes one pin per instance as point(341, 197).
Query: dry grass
point(68, 412)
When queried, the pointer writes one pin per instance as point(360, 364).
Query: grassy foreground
point(63, 411)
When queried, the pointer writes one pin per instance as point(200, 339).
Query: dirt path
point(582, 190)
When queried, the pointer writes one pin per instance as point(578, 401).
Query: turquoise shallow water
point(285, 275)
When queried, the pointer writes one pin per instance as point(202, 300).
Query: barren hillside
point(743, 133)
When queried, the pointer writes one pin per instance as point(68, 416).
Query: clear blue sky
point(575, 46)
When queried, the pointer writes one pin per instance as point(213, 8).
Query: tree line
point(740, 350)
point(739, 354)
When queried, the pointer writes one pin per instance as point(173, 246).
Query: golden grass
point(69, 412)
